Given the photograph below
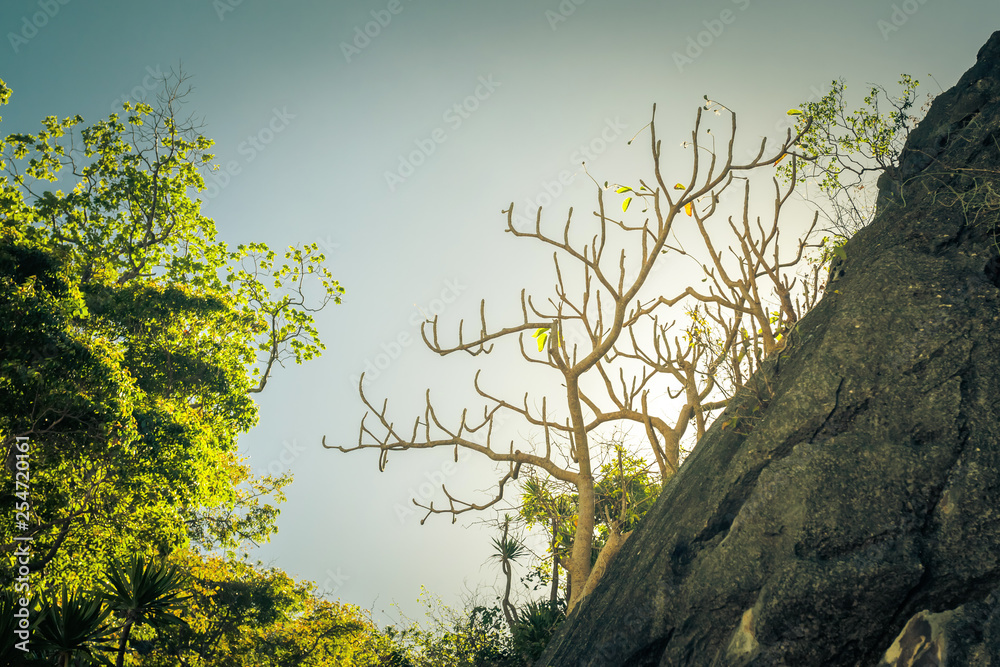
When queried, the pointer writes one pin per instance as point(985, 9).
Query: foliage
point(73, 626)
point(538, 621)
point(544, 503)
point(60, 386)
point(625, 490)
point(197, 611)
point(141, 592)
point(240, 613)
point(134, 342)
point(843, 152)
point(476, 638)
point(479, 636)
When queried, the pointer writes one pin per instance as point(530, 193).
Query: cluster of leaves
point(133, 342)
point(239, 613)
point(842, 152)
point(197, 611)
point(626, 488)
point(75, 626)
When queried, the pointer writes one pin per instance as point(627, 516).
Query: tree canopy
point(134, 340)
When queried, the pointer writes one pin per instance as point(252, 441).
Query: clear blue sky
point(393, 132)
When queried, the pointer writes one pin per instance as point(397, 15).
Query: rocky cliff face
point(857, 520)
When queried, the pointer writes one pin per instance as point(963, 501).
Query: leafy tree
point(240, 613)
point(843, 152)
point(196, 610)
point(134, 341)
point(542, 503)
point(507, 551)
point(57, 384)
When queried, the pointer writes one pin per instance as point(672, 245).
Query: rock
point(964, 636)
point(857, 518)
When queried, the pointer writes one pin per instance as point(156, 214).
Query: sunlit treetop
point(137, 338)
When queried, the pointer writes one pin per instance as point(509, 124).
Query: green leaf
point(151, 352)
point(840, 252)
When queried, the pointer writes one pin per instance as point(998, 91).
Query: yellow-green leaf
point(794, 112)
point(542, 335)
point(628, 200)
point(679, 186)
point(623, 189)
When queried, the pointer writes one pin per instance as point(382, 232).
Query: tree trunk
point(583, 537)
point(554, 594)
point(123, 643)
point(583, 542)
point(616, 541)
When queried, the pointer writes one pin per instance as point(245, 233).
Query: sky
point(392, 133)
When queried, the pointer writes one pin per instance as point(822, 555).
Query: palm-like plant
point(508, 550)
point(10, 654)
point(143, 592)
point(538, 621)
point(73, 627)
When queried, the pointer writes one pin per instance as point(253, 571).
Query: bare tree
point(603, 335)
